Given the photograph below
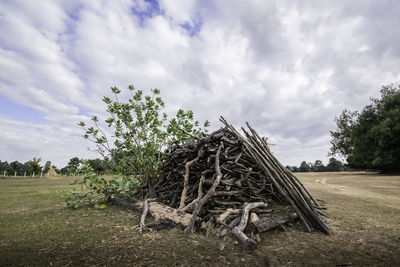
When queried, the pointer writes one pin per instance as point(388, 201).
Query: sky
point(286, 67)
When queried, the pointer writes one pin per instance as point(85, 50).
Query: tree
point(318, 166)
point(35, 167)
point(141, 133)
point(64, 170)
point(334, 165)
point(73, 164)
point(341, 142)
point(47, 166)
point(98, 165)
point(304, 167)
point(371, 139)
point(17, 167)
point(4, 166)
point(27, 168)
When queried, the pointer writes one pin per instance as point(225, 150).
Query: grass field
point(37, 230)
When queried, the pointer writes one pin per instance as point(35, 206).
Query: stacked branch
point(224, 177)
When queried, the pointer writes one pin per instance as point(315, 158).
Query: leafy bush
point(141, 133)
point(95, 189)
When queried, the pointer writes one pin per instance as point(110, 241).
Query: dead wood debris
point(223, 177)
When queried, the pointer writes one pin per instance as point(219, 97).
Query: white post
point(33, 175)
point(15, 174)
point(41, 175)
point(24, 174)
point(4, 174)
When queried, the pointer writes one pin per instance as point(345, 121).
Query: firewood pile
point(228, 181)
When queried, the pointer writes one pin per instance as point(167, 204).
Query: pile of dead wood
point(225, 178)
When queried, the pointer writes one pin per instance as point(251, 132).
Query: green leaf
point(115, 90)
point(107, 100)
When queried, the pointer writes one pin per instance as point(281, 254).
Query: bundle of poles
point(229, 181)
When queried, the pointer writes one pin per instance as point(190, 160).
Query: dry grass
point(363, 214)
point(36, 230)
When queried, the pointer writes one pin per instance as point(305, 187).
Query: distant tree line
point(33, 166)
point(333, 165)
point(105, 166)
point(28, 168)
point(100, 166)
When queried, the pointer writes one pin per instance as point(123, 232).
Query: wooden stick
point(209, 194)
point(145, 210)
point(199, 195)
point(231, 225)
point(226, 214)
point(246, 211)
point(248, 243)
point(186, 180)
point(252, 153)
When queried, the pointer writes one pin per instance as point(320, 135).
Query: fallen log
point(238, 231)
point(248, 243)
point(266, 224)
point(159, 211)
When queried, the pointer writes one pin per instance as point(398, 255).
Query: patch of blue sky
point(74, 12)
point(152, 9)
point(193, 27)
point(20, 112)
point(8, 48)
point(84, 112)
point(69, 34)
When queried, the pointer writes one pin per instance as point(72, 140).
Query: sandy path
point(339, 187)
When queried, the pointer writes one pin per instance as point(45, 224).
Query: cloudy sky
point(287, 67)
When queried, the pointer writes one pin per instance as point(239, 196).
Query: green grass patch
point(36, 229)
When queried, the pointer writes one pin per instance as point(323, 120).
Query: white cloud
point(22, 141)
point(287, 67)
point(180, 10)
